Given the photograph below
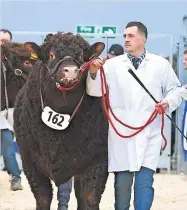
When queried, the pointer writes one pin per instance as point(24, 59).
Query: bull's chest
point(55, 120)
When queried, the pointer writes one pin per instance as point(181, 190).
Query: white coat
point(133, 106)
point(4, 122)
point(182, 91)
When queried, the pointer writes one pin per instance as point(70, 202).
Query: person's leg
point(10, 159)
point(122, 186)
point(143, 190)
point(63, 195)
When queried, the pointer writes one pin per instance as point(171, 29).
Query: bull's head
point(65, 53)
point(20, 58)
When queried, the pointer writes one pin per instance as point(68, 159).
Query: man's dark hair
point(141, 27)
point(7, 31)
point(185, 52)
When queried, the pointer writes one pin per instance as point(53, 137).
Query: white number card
point(55, 120)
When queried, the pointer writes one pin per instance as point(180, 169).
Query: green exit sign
point(111, 30)
point(86, 31)
point(93, 31)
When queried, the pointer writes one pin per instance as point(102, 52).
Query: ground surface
point(170, 194)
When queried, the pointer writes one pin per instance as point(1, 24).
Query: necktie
point(135, 62)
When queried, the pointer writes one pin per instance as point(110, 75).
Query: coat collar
point(147, 56)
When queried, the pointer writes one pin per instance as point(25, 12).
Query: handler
point(136, 157)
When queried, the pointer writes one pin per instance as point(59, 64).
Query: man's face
point(134, 39)
point(4, 37)
point(185, 61)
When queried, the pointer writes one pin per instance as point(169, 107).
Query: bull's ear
point(34, 50)
point(95, 50)
point(48, 36)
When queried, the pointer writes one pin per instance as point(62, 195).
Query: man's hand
point(96, 65)
point(162, 106)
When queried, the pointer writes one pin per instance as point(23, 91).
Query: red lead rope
point(139, 129)
point(106, 99)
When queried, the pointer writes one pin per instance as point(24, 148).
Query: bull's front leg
point(90, 186)
point(39, 183)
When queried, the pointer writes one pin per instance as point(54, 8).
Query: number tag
point(55, 120)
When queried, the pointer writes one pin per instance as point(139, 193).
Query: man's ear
point(34, 50)
point(95, 50)
point(144, 39)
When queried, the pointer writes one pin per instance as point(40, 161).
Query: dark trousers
point(64, 191)
point(143, 190)
point(9, 156)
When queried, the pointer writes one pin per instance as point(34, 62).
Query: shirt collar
point(147, 56)
point(141, 57)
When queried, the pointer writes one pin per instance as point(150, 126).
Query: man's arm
point(93, 81)
point(170, 83)
point(93, 84)
point(182, 91)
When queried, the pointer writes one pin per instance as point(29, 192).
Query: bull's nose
point(69, 73)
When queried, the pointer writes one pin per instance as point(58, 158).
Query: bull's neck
point(13, 85)
point(17, 80)
point(61, 101)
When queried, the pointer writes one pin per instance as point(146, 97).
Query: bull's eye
point(27, 63)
